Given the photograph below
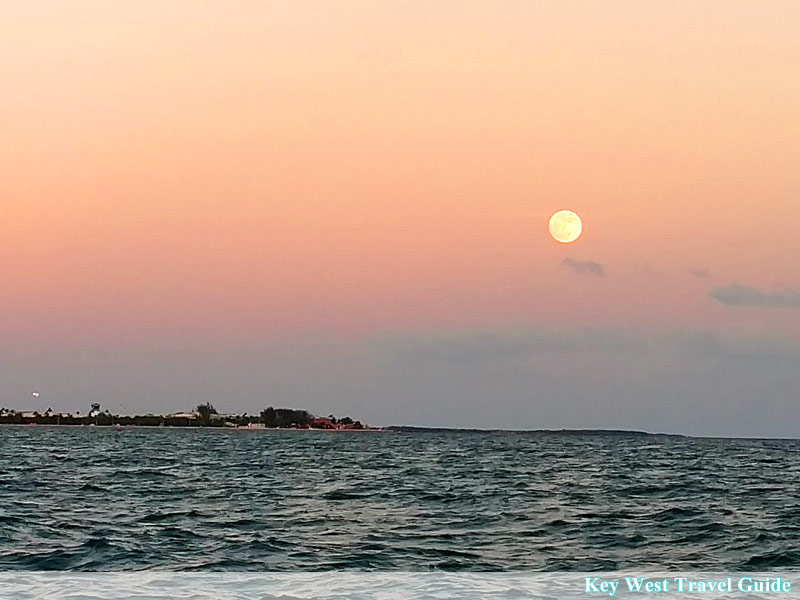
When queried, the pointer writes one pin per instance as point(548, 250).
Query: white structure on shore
point(183, 415)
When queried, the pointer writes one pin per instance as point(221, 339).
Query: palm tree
point(205, 411)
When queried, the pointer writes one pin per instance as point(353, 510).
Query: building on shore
point(183, 415)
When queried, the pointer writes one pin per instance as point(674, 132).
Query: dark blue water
point(98, 499)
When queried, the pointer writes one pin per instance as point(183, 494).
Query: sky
point(343, 207)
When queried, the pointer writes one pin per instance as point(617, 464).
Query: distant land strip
point(573, 432)
point(205, 415)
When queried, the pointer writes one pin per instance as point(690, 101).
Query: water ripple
point(89, 499)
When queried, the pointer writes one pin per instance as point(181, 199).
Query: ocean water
point(94, 499)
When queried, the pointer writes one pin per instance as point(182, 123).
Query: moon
point(565, 226)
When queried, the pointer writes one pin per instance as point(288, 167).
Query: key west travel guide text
point(683, 584)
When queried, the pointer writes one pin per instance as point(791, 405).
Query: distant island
point(204, 415)
point(570, 432)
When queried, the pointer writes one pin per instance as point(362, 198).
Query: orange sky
point(218, 170)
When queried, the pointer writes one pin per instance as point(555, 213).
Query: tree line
point(272, 417)
point(204, 415)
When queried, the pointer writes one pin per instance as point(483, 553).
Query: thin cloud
point(471, 346)
point(584, 267)
point(478, 345)
point(732, 345)
point(700, 273)
point(742, 295)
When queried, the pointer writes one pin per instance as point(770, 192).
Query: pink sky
point(261, 170)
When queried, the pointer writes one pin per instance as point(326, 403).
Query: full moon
point(565, 226)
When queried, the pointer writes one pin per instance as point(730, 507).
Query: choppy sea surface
point(95, 499)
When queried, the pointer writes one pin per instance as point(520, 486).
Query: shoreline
point(572, 433)
point(190, 427)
